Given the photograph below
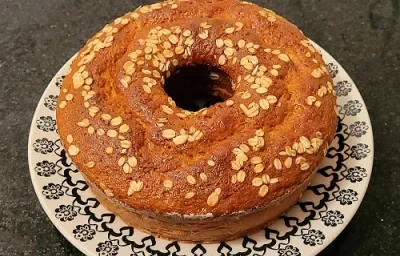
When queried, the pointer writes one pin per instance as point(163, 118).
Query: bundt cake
point(201, 173)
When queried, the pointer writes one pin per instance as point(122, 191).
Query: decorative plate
point(315, 221)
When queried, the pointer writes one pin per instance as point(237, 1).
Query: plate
point(326, 207)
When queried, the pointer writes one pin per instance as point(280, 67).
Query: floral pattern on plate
point(319, 216)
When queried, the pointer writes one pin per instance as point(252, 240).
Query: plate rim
point(314, 250)
point(370, 138)
point(31, 165)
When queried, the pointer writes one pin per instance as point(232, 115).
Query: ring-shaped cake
point(214, 174)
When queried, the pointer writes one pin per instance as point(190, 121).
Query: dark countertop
point(39, 36)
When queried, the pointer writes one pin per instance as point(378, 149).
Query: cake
point(198, 175)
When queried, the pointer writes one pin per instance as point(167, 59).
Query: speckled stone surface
point(37, 37)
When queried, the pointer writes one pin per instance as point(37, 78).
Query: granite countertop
point(38, 37)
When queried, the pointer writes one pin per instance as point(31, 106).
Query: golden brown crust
point(204, 230)
point(125, 134)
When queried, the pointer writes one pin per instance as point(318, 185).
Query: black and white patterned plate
point(316, 220)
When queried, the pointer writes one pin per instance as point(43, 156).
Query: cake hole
point(194, 87)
